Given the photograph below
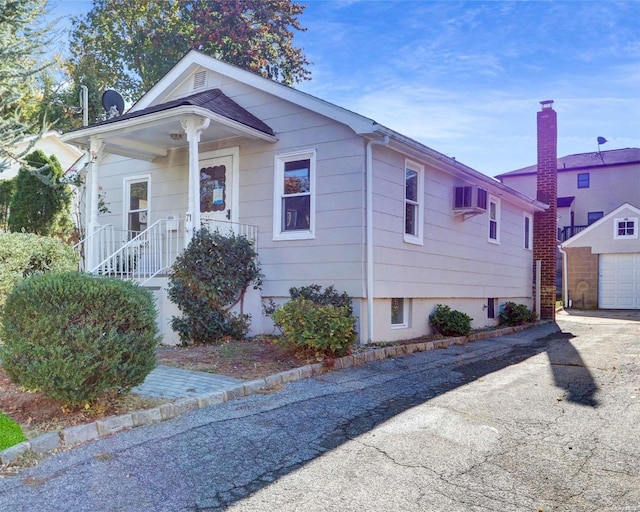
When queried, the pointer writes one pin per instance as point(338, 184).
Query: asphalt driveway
point(544, 420)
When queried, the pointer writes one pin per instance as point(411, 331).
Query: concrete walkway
point(170, 382)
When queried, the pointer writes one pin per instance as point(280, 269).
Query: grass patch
point(10, 432)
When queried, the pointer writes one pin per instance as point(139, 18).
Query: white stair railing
point(143, 255)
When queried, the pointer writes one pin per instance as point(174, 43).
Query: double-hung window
point(583, 180)
point(294, 196)
point(626, 227)
point(494, 220)
point(528, 231)
point(413, 202)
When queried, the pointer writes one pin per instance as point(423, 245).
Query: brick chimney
point(545, 226)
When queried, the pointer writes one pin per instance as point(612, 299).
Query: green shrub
point(72, 336)
point(41, 202)
point(208, 279)
point(10, 432)
point(329, 330)
point(450, 322)
point(25, 254)
point(328, 297)
point(516, 314)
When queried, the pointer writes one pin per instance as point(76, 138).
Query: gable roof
point(213, 100)
point(611, 158)
point(156, 101)
point(615, 213)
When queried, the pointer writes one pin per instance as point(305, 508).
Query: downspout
point(565, 277)
point(369, 220)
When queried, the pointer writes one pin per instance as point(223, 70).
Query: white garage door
point(619, 283)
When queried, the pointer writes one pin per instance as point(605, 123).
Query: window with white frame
point(137, 204)
point(399, 313)
point(626, 227)
point(413, 202)
point(528, 231)
point(494, 220)
point(294, 196)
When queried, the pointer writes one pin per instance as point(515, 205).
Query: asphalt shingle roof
point(587, 160)
point(212, 99)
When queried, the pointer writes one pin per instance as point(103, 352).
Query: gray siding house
point(328, 196)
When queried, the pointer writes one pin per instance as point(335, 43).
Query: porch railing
point(143, 255)
point(569, 231)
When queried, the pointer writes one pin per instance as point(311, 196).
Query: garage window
point(626, 227)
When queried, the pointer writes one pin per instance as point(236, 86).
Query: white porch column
point(96, 148)
point(193, 127)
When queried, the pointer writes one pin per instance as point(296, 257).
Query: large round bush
point(25, 254)
point(72, 336)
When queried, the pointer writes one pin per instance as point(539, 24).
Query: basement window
point(399, 314)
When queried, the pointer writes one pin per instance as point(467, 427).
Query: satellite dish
point(112, 103)
point(601, 140)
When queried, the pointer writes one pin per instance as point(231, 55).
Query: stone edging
point(91, 431)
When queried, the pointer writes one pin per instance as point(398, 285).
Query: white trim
point(417, 239)
point(234, 153)
point(617, 220)
point(278, 192)
point(496, 201)
point(126, 182)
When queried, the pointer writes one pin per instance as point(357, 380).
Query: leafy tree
point(129, 46)
point(21, 44)
point(41, 202)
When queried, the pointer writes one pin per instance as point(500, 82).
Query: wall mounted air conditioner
point(469, 200)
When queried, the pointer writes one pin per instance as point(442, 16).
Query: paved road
point(540, 421)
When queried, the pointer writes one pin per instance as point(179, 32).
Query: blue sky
point(466, 78)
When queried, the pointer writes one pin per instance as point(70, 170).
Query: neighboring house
point(329, 197)
point(50, 144)
point(602, 262)
point(590, 185)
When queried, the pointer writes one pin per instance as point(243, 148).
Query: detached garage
point(619, 285)
point(601, 265)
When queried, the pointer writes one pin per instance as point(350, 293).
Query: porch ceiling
point(153, 135)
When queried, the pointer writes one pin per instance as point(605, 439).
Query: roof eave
point(83, 135)
point(453, 167)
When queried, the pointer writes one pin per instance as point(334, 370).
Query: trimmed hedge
point(25, 254)
point(72, 336)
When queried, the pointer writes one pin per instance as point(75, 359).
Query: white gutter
point(369, 216)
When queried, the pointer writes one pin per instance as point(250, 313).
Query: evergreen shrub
point(449, 322)
point(327, 329)
point(516, 314)
point(72, 336)
point(207, 280)
point(25, 254)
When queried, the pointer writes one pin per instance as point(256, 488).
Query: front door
point(216, 191)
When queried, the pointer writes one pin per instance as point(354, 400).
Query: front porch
point(144, 255)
